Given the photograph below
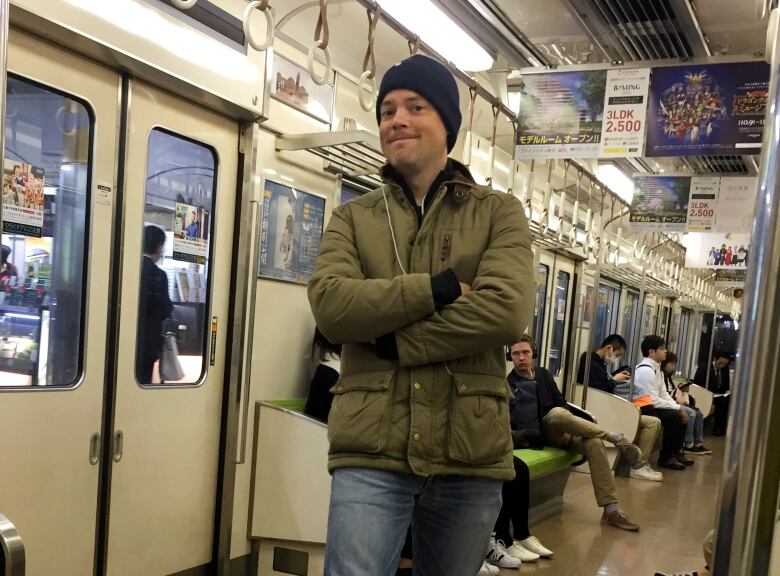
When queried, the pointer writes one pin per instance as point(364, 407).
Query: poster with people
point(290, 233)
point(561, 114)
point(191, 233)
point(22, 198)
point(707, 109)
point(660, 202)
point(717, 250)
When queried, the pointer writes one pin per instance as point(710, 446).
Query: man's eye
point(386, 114)
point(418, 107)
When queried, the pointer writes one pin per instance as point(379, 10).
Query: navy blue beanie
point(431, 80)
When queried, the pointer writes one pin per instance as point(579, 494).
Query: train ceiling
point(561, 33)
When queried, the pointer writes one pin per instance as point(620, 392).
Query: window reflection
point(178, 225)
point(45, 223)
point(559, 323)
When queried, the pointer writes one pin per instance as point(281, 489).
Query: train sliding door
point(181, 166)
point(58, 182)
point(560, 294)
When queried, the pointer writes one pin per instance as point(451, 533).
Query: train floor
point(675, 516)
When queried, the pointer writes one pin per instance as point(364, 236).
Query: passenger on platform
point(422, 280)
point(653, 400)
point(694, 430)
point(612, 348)
point(539, 408)
point(154, 305)
point(720, 388)
point(326, 375)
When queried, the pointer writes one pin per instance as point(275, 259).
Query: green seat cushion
point(543, 462)
point(294, 405)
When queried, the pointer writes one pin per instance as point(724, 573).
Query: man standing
point(550, 414)
point(612, 348)
point(422, 280)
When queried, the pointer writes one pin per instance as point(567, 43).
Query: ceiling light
point(616, 180)
point(440, 32)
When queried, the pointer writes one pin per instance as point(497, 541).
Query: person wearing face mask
point(612, 349)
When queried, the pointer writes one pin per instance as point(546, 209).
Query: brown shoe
point(628, 451)
point(619, 519)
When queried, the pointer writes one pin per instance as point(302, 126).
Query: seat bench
point(291, 486)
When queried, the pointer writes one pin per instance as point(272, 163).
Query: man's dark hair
point(154, 237)
point(323, 347)
point(651, 342)
point(615, 340)
point(721, 354)
point(527, 339)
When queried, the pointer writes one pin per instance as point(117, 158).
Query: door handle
point(116, 455)
point(94, 449)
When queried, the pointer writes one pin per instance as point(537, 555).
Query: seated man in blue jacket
point(540, 408)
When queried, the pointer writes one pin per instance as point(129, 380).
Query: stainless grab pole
point(12, 546)
point(748, 504)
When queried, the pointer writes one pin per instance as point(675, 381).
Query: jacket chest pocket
point(358, 416)
point(460, 250)
point(479, 431)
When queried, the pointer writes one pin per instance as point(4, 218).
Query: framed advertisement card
point(291, 229)
point(290, 83)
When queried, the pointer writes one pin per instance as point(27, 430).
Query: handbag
point(170, 367)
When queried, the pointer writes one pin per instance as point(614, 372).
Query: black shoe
point(700, 449)
point(683, 460)
point(672, 464)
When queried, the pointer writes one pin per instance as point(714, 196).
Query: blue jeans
point(452, 518)
point(694, 430)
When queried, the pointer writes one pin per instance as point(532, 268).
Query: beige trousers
point(647, 437)
point(586, 439)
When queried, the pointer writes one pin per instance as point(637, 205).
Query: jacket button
point(411, 241)
point(416, 437)
point(417, 386)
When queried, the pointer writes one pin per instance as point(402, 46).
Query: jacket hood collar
point(453, 171)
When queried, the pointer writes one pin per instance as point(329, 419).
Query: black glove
point(527, 439)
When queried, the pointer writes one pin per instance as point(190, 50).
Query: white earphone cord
point(392, 233)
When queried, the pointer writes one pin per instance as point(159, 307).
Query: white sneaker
point(532, 544)
point(488, 570)
point(646, 473)
point(521, 553)
point(498, 556)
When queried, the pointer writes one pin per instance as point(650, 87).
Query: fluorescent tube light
point(439, 32)
point(616, 180)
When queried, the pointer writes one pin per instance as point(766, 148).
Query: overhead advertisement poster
point(191, 226)
point(660, 202)
point(707, 109)
point(717, 250)
point(625, 110)
point(703, 205)
point(561, 115)
point(736, 203)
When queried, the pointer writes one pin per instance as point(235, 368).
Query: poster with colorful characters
point(561, 114)
point(191, 233)
point(707, 109)
point(290, 233)
point(660, 202)
point(717, 250)
point(22, 198)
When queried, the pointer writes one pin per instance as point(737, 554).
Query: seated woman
point(694, 428)
point(325, 376)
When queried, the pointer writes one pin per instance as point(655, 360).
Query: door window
point(43, 257)
point(175, 266)
point(630, 317)
point(540, 305)
point(559, 323)
point(606, 312)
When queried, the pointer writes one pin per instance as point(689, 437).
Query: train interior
point(236, 128)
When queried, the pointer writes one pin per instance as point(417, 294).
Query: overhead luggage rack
point(628, 276)
point(353, 153)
